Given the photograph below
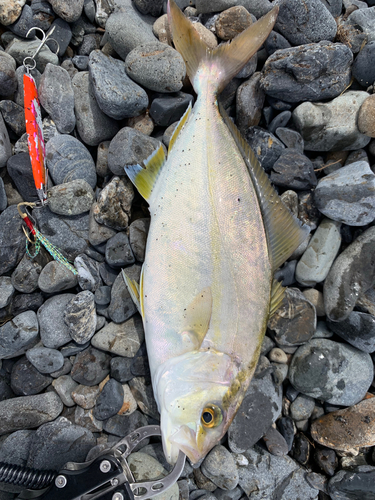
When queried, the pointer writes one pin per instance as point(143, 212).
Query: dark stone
point(140, 366)
point(103, 295)
point(109, 401)
point(293, 170)
point(89, 43)
point(280, 120)
point(90, 367)
point(122, 306)
point(291, 138)
point(45, 360)
point(23, 23)
point(43, 15)
point(62, 34)
point(118, 252)
point(275, 442)
point(122, 425)
point(286, 274)
point(327, 460)
point(26, 302)
point(307, 211)
point(153, 7)
point(354, 484)
point(14, 116)
point(25, 276)
point(26, 380)
point(80, 316)
point(12, 239)
point(53, 330)
point(69, 10)
point(121, 369)
point(18, 335)
point(358, 329)
point(301, 449)
point(19, 169)
point(286, 428)
point(108, 274)
point(81, 62)
point(266, 146)
point(88, 273)
point(275, 41)
point(167, 109)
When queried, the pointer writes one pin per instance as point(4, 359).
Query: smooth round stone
point(360, 480)
point(280, 120)
point(19, 169)
point(278, 355)
point(327, 461)
point(45, 360)
point(5, 146)
point(69, 160)
point(122, 306)
point(14, 116)
point(6, 291)
point(121, 369)
point(275, 442)
point(232, 22)
point(29, 412)
point(92, 124)
point(85, 396)
point(358, 329)
point(318, 258)
point(302, 407)
point(305, 22)
point(64, 386)
point(8, 80)
point(366, 117)
point(332, 372)
point(103, 295)
point(26, 380)
point(53, 330)
point(249, 103)
point(57, 98)
point(109, 401)
point(364, 65)
point(80, 316)
point(219, 466)
point(320, 71)
point(266, 146)
point(69, 10)
point(64, 370)
point(275, 41)
point(293, 170)
point(25, 276)
point(71, 198)
point(138, 231)
point(118, 252)
point(18, 335)
point(129, 147)
point(114, 204)
point(123, 339)
point(88, 273)
point(20, 49)
point(56, 277)
point(90, 367)
point(332, 126)
point(167, 109)
point(156, 66)
point(116, 94)
point(352, 274)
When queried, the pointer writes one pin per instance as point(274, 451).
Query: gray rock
point(123, 339)
point(262, 475)
point(29, 412)
point(14, 116)
point(88, 273)
point(122, 306)
point(90, 367)
point(293, 170)
point(8, 80)
point(144, 396)
point(80, 316)
point(220, 467)
point(16, 447)
point(116, 94)
point(69, 10)
point(108, 274)
point(25, 276)
point(152, 7)
point(291, 138)
point(156, 66)
point(167, 109)
point(347, 195)
point(118, 252)
point(364, 65)
point(121, 369)
point(331, 126)
point(3, 195)
point(305, 22)
point(58, 442)
point(6, 291)
point(20, 49)
point(355, 483)
point(86, 419)
point(98, 233)
point(85, 396)
point(42, 15)
point(309, 72)
point(53, 330)
point(18, 335)
point(12, 239)
point(275, 442)
point(302, 407)
point(286, 428)
point(57, 98)
point(5, 147)
point(358, 329)
point(81, 62)
point(68, 160)
point(249, 103)
point(102, 159)
point(71, 198)
point(26, 302)
point(56, 277)
point(64, 386)
point(90, 42)
point(45, 360)
point(259, 409)
point(114, 204)
point(121, 425)
point(20, 171)
point(109, 401)
point(274, 42)
point(67, 366)
point(62, 34)
point(26, 380)
point(318, 258)
point(139, 30)
point(266, 146)
point(363, 20)
point(138, 231)
point(129, 147)
point(332, 372)
point(92, 124)
point(20, 71)
point(352, 274)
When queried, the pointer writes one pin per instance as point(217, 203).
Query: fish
point(218, 232)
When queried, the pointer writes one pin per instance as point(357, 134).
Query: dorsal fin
point(284, 231)
point(144, 179)
point(178, 128)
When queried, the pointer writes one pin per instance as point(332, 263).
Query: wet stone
point(80, 316)
point(121, 369)
point(114, 204)
point(275, 442)
point(302, 407)
point(219, 466)
point(286, 428)
point(18, 335)
point(294, 322)
point(45, 360)
point(19, 169)
point(123, 339)
point(301, 449)
point(308, 72)
point(360, 480)
point(167, 109)
point(29, 411)
point(118, 252)
point(26, 380)
point(57, 98)
point(53, 330)
point(90, 367)
point(88, 273)
point(14, 116)
point(156, 66)
point(293, 170)
point(117, 95)
point(347, 428)
point(138, 231)
point(56, 277)
point(331, 371)
point(109, 401)
point(327, 460)
point(266, 146)
point(358, 329)
point(85, 396)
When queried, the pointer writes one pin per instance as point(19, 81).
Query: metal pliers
point(108, 477)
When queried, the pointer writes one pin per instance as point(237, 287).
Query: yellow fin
point(277, 296)
point(178, 128)
point(284, 231)
point(133, 289)
point(197, 316)
point(219, 65)
point(144, 179)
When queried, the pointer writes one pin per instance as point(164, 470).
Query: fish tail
point(216, 66)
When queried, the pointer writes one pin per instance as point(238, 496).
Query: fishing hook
point(26, 215)
point(45, 38)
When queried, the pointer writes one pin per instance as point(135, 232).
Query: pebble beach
point(74, 375)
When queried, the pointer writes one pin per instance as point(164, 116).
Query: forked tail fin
point(216, 66)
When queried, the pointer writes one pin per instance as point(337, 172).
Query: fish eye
point(212, 416)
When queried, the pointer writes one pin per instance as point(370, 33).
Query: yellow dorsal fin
point(277, 295)
point(178, 128)
point(144, 179)
point(197, 316)
point(284, 231)
point(133, 289)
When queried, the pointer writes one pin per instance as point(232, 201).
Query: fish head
point(197, 403)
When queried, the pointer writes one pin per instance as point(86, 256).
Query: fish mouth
point(184, 439)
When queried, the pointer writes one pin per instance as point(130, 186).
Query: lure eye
point(212, 416)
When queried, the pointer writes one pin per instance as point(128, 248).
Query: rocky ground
point(74, 375)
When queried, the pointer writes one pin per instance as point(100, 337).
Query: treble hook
point(45, 37)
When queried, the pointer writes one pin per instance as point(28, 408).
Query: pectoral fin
point(133, 289)
point(277, 295)
point(197, 317)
